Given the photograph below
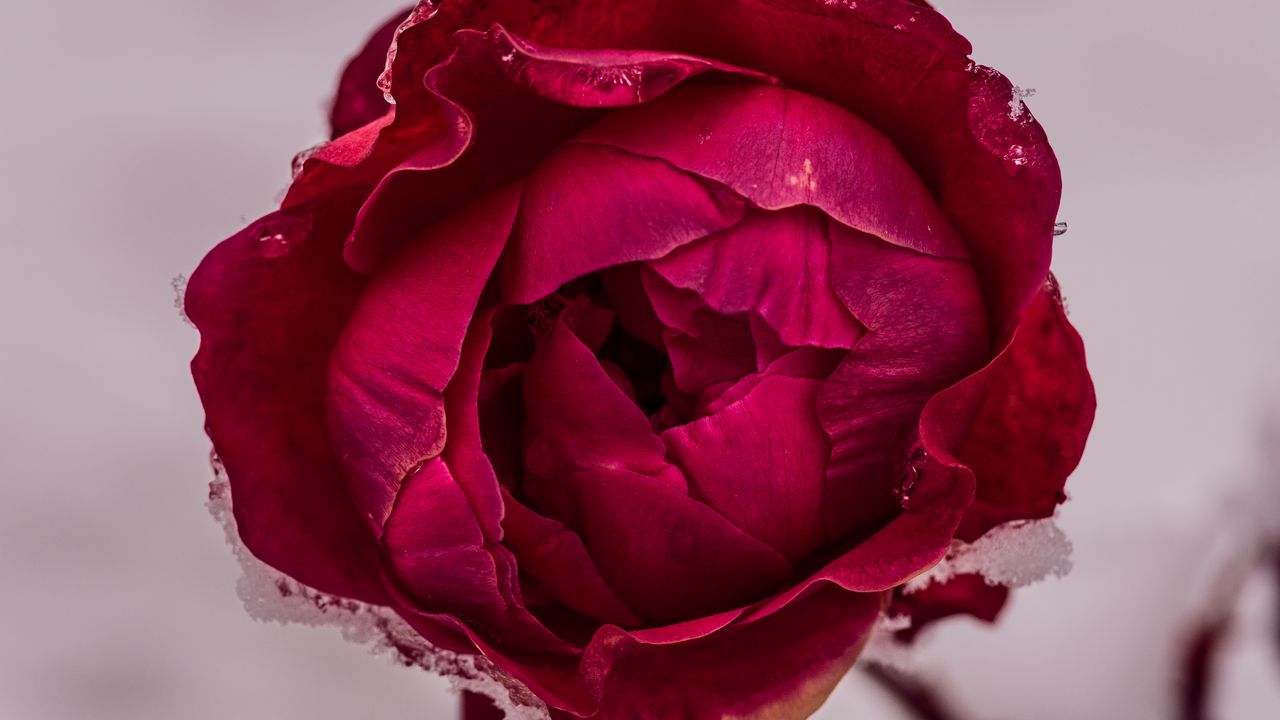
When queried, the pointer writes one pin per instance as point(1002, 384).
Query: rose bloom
point(645, 348)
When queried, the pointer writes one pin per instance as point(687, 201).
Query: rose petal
point(775, 265)
point(359, 101)
point(555, 557)
point(760, 462)
point(490, 112)
point(578, 419)
point(707, 349)
point(995, 176)
point(781, 148)
point(667, 555)
point(961, 595)
point(810, 645)
point(926, 329)
point(440, 554)
point(1031, 430)
point(402, 346)
point(270, 303)
point(589, 208)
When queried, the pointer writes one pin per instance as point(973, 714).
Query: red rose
point(645, 347)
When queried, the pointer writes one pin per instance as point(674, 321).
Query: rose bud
point(644, 348)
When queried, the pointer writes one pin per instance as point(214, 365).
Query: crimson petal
point(775, 265)
point(760, 462)
point(1031, 430)
point(589, 208)
point(270, 303)
point(780, 148)
point(402, 346)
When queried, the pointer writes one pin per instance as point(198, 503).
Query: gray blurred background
point(135, 134)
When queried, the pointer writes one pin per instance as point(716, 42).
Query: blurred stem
point(917, 696)
point(1197, 671)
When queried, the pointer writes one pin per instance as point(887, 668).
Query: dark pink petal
point(926, 328)
point(270, 303)
point(1031, 430)
point(589, 208)
point(555, 557)
point(667, 555)
point(464, 452)
point(902, 68)
point(781, 148)
point(775, 265)
point(402, 346)
point(779, 666)
point(359, 100)
point(577, 419)
point(760, 462)
point(625, 289)
point(905, 545)
point(708, 350)
point(807, 363)
point(961, 595)
point(603, 77)
point(501, 405)
point(488, 114)
point(439, 553)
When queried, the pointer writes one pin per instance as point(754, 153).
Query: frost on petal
point(1016, 105)
point(885, 650)
point(270, 596)
point(179, 285)
point(1015, 554)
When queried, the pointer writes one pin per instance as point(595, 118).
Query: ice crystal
point(1017, 108)
point(884, 649)
point(1015, 554)
point(179, 285)
point(270, 596)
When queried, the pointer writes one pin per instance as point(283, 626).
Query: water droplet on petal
point(273, 245)
point(423, 11)
point(912, 469)
point(1016, 157)
point(1059, 228)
